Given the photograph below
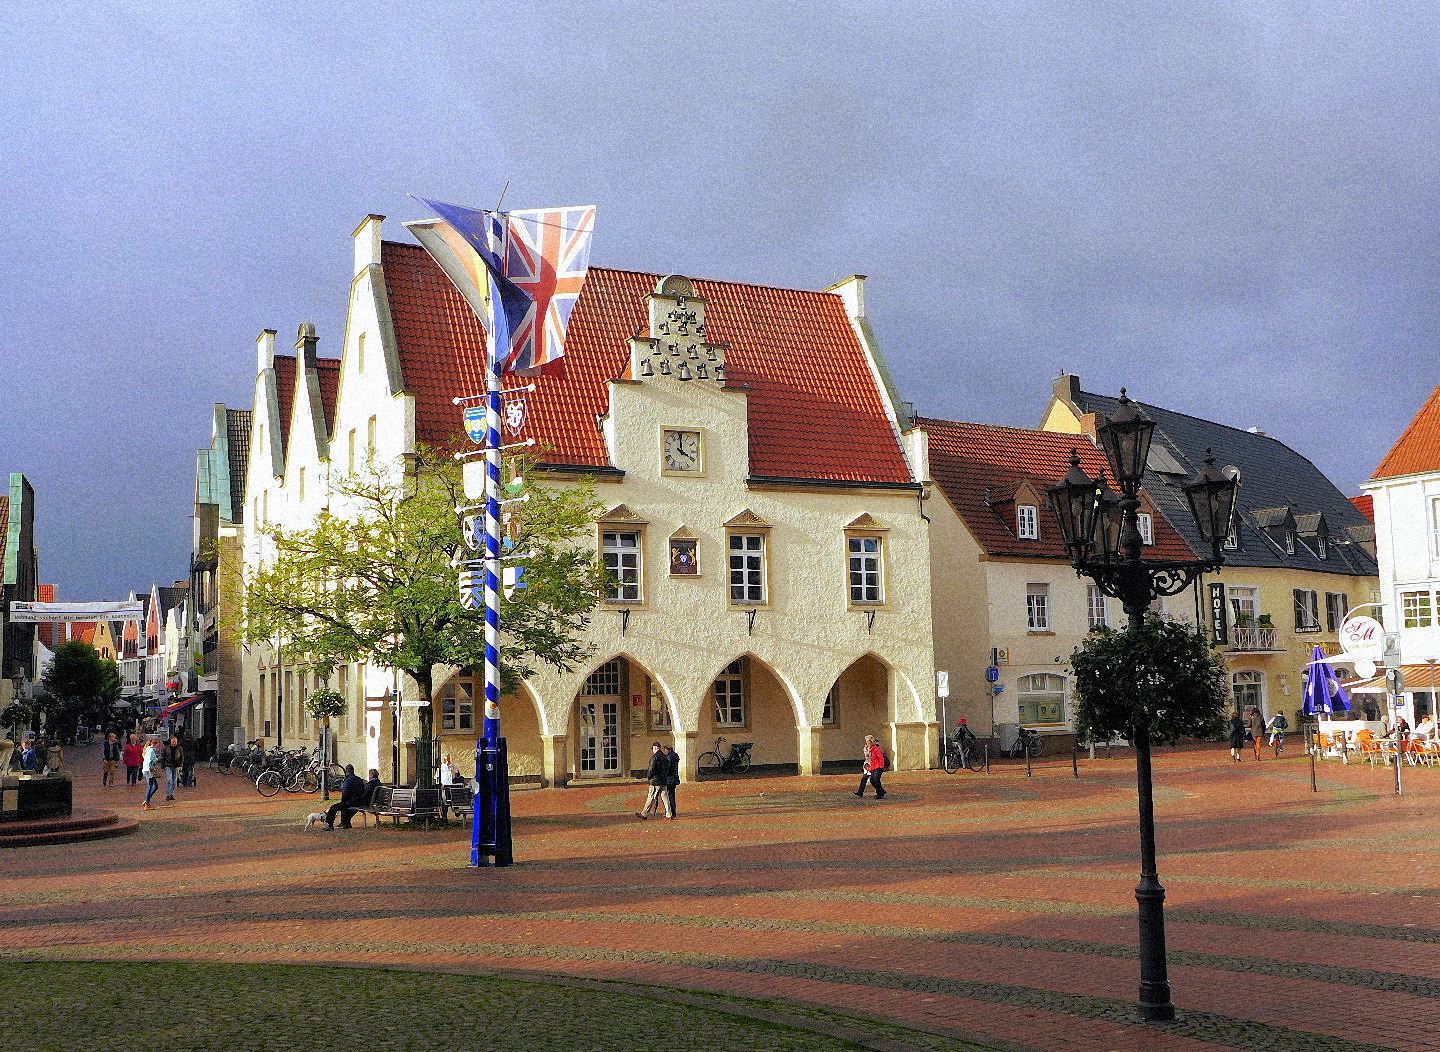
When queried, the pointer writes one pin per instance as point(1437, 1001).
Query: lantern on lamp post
point(1101, 532)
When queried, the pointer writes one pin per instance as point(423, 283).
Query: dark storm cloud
point(1228, 209)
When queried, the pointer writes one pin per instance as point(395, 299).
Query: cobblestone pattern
point(999, 908)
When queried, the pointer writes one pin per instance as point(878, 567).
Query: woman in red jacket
point(873, 767)
point(133, 752)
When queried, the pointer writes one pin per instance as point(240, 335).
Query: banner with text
point(55, 613)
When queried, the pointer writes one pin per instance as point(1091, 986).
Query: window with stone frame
point(457, 705)
point(866, 569)
point(747, 569)
point(620, 554)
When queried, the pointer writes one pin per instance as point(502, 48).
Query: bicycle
point(737, 759)
point(958, 754)
point(1026, 741)
point(1277, 742)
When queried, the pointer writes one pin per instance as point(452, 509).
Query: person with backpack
point(1278, 726)
point(872, 767)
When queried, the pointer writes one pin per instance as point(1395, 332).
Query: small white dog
point(313, 819)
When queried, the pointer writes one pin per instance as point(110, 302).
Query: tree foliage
point(1163, 673)
point(80, 684)
point(372, 579)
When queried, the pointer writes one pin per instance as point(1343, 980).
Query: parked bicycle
point(1027, 741)
point(736, 759)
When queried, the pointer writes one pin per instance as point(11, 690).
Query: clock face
point(681, 451)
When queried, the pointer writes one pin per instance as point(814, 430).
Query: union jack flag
point(547, 252)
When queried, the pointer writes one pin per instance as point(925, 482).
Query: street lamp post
point(1102, 537)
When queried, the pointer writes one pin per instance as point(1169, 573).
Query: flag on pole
point(547, 254)
point(464, 244)
point(537, 259)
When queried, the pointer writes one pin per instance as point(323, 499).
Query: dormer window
point(1147, 527)
point(1232, 536)
point(1321, 546)
point(1027, 523)
point(1289, 542)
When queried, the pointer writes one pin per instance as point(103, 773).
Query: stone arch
point(523, 723)
point(769, 712)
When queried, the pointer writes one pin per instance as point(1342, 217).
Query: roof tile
point(1418, 447)
point(814, 409)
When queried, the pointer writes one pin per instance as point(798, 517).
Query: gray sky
point(1228, 208)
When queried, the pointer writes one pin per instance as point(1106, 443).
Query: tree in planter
point(16, 715)
point(1162, 673)
point(372, 579)
point(322, 705)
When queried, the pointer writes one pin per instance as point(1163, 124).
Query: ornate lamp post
point(1102, 537)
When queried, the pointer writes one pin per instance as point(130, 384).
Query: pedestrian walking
point(133, 754)
point(1237, 735)
point(29, 758)
point(173, 757)
point(872, 767)
point(672, 777)
point(1255, 729)
point(656, 775)
point(110, 757)
point(150, 760)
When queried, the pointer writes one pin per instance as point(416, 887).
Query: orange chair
point(1370, 748)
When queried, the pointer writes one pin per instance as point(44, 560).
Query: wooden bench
point(459, 800)
point(397, 802)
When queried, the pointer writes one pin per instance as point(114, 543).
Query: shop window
point(1042, 698)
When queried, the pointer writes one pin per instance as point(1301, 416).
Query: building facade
point(762, 524)
point(1298, 558)
point(1406, 493)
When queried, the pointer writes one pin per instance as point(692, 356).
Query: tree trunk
point(424, 761)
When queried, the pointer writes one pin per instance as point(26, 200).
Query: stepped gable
point(979, 468)
point(1418, 447)
point(814, 410)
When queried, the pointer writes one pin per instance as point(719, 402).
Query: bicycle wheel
point(972, 758)
point(950, 760)
point(1035, 745)
point(742, 764)
point(268, 784)
point(292, 781)
point(336, 773)
point(709, 762)
point(309, 781)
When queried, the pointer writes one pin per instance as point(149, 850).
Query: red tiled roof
point(1366, 503)
point(285, 395)
point(83, 631)
point(327, 371)
point(814, 411)
point(1418, 448)
point(967, 459)
point(45, 593)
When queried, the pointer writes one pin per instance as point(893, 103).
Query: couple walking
point(663, 776)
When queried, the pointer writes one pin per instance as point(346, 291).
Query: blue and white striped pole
point(490, 727)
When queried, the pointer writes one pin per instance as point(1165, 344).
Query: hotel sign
point(1219, 616)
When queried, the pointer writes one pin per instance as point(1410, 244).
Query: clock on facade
point(681, 452)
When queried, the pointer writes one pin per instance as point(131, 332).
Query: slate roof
point(1418, 447)
point(814, 409)
point(1273, 477)
point(969, 461)
point(237, 438)
point(170, 598)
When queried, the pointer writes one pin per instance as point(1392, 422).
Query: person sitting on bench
point(354, 795)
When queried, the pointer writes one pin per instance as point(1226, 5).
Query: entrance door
point(599, 737)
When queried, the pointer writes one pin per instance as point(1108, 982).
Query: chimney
point(265, 350)
point(1066, 387)
point(1257, 431)
point(852, 293)
point(305, 341)
point(367, 243)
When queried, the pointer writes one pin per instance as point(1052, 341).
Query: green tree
point(372, 578)
point(80, 685)
point(1162, 673)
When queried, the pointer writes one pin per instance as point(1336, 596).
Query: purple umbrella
point(1323, 692)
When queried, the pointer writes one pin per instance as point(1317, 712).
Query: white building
point(762, 519)
point(1406, 493)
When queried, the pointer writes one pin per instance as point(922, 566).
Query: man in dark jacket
point(672, 778)
point(352, 798)
point(657, 775)
point(173, 757)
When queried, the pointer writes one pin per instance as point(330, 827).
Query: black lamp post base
point(1155, 1011)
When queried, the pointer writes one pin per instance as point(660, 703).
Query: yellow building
point(1299, 555)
